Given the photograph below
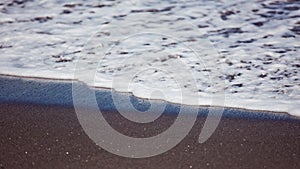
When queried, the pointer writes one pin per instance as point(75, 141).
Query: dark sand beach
point(36, 136)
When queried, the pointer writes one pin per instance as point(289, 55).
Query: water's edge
point(56, 92)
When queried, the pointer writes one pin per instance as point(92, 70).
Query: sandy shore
point(39, 136)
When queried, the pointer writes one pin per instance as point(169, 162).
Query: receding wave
point(236, 54)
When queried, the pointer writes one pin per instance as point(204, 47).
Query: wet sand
point(40, 136)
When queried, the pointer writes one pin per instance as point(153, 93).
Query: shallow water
point(238, 54)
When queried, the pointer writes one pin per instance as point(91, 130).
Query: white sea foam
point(148, 47)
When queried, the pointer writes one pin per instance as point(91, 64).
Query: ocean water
point(201, 52)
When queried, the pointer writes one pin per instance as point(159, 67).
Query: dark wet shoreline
point(51, 92)
point(39, 129)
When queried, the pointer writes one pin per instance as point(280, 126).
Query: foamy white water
point(190, 52)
